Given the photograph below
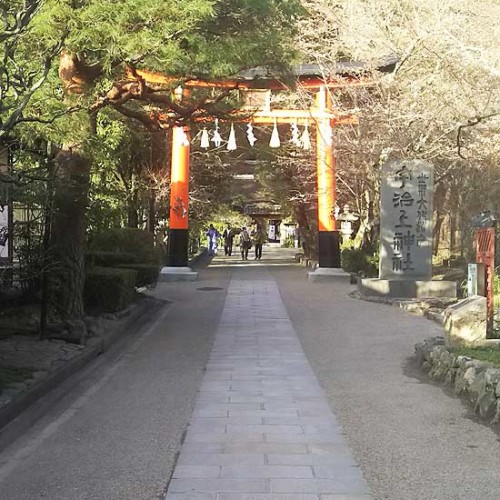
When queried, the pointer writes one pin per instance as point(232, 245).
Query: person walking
point(259, 239)
point(213, 236)
point(228, 236)
point(245, 243)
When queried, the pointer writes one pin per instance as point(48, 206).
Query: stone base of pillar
point(323, 274)
point(406, 289)
point(329, 249)
point(169, 273)
point(177, 247)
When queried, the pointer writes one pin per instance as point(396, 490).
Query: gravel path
point(413, 440)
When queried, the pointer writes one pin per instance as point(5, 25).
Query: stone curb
point(95, 347)
point(476, 381)
point(196, 258)
point(421, 307)
point(306, 262)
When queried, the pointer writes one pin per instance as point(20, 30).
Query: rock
point(463, 383)
point(424, 349)
point(441, 361)
point(54, 328)
point(39, 375)
point(449, 378)
point(476, 386)
point(496, 418)
point(10, 392)
point(17, 386)
point(465, 322)
point(5, 399)
point(69, 331)
point(109, 316)
point(486, 403)
point(95, 326)
point(462, 360)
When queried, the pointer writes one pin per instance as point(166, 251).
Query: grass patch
point(481, 353)
point(13, 375)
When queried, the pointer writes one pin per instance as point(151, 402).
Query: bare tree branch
point(471, 122)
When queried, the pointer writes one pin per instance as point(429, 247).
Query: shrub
point(356, 262)
point(101, 258)
point(147, 274)
point(109, 289)
point(128, 240)
point(289, 242)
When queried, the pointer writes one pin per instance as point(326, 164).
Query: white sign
point(4, 209)
point(4, 232)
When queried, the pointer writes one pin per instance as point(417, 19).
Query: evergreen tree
point(95, 41)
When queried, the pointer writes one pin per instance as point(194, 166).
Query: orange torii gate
point(321, 114)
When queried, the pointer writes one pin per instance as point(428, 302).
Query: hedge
point(356, 261)
point(109, 289)
point(147, 274)
point(129, 240)
point(101, 258)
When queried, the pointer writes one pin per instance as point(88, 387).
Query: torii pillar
point(328, 235)
point(177, 262)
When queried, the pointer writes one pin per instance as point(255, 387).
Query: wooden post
point(485, 254)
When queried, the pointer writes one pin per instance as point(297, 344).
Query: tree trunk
point(133, 209)
point(159, 160)
point(363, 236)
point(308, 236)
point(151, 210)
point(47, 230)
point(440, 202)
point(71, 186)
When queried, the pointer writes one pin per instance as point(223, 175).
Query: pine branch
point(150, 123)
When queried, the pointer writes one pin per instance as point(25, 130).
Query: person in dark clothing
point(228, 236)
point(245, 243)
point(259, 239)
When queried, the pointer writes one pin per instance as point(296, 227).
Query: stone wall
point(477, 381)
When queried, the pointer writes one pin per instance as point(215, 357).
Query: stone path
point(262, 428)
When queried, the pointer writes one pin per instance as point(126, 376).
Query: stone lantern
point(346, 219)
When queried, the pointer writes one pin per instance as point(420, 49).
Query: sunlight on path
point(262, 428)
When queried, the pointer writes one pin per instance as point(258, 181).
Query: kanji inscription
point(406, 220)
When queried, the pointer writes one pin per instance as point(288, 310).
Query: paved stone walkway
point(262, 428)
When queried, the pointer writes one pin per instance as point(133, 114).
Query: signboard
point(485, 254)
point(475, 280)
point(407, 188)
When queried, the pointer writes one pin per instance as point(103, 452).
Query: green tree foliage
point(121, 156)
point(95, 41)
point(24, 68)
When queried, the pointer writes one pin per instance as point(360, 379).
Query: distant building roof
point(262, 208)
point(386, 65)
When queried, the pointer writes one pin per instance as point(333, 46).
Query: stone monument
point(405, 266)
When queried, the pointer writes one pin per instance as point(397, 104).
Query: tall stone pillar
point(405, 268)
